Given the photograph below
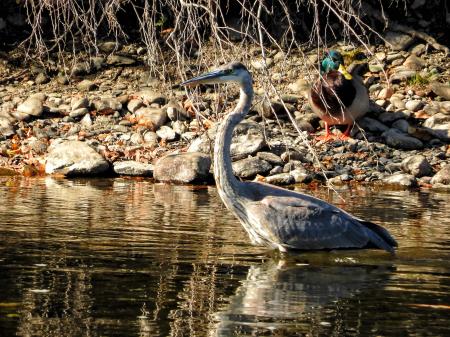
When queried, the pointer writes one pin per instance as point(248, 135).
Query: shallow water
point(119, 257)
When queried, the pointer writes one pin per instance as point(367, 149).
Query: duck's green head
point(334, 61)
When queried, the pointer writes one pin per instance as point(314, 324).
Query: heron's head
point(232, 72)
point(333, 60)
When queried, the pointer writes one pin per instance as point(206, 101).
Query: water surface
point(122, 257)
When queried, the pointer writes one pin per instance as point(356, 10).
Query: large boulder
point(74, 158)
point(187, 168)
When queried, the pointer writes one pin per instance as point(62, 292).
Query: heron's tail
point(383, 239)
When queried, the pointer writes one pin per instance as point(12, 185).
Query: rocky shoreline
point(112, 118)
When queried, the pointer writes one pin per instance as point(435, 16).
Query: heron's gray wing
point(310, 224)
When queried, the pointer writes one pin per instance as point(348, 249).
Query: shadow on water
point(126, 257)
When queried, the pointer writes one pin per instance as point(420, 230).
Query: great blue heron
point(338, 97)
point(273, 216)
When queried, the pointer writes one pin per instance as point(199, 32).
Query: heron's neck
point(223, 172)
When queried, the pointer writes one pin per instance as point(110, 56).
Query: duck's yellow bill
point(344, 72)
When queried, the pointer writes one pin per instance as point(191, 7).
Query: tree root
point(374, 13)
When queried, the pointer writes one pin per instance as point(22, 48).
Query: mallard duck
point(338, 97)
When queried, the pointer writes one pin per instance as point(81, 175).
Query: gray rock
point(120, 60)
point(399, 140)
point(86, 85)
point(166, 133)
point(299, 87)
point(393, 56)
point(151, 138)
point(276, 170)
point(78, 112)
point(270, 157)
point(269, 109)
point(292, 155)
point(176, 112)
point(150, 96)
point(77, 103)
point(186, 168)
point(438, 126)
point(402, 75)
point(134, 104)
point(280, 179)
point(372, 125)
point(81, 68)
point(389, 117)
point(401, 125)
point(136, 138)
point(414, 63)
point(397, 102)
point(304, 125)
point(401, 179)
point(300, 175)
point(107, 104)
point(86, 121)
point(73, 158)
point(6, 129)
point(442, 176)
point(414, 105)
point(261, 64)
point(188, 136)
point(97, 62)
point(153, 118)
point(248, 138)
point(179, 127)
point(133, 168)
point(418, 49)
point(417, 165)
point(109, 46)
point(32, 106)
point(385, 93)
point(62, 79)
point(41, 78)
point(250, 167)
point(441, 89)
point(397, 40)
point(444, 107)
point(376, 68)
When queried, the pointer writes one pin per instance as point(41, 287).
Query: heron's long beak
point(344, 72)
point(208, 78)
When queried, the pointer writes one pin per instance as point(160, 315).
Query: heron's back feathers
point(297, 221)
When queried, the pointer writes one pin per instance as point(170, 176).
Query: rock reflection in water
point(296, 299)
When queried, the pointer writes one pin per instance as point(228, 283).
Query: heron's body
point(276, 217)
point(337, 97)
